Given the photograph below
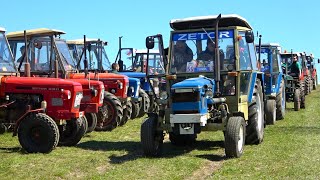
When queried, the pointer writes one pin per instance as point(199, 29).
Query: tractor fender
point(29, 111)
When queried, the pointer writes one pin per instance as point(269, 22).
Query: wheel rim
point(37, 135)
point(108, 118)
point(274, 113)
point(241, 139)
point(260, 123)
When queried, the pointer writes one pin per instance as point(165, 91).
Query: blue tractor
point(274, 81)
point(133, 64)
point(212, 83)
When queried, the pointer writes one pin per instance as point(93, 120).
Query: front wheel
point(126, 113)
point(315, 83)
point(296, 99)
point(235, 136)
point(38, 133)
point(92, 121)
point(151, 138)
point(144, 104)
point(281, 102)
point(73, 131)
point(135, 109)
point(271, 112)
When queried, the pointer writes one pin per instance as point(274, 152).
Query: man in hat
point(182, 55)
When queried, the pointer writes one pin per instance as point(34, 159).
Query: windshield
point(287, 58)
point(194, 51)
point(155, 64)
point(265, 58)
point(94, 56)
point(6, 61)
point(67, 60)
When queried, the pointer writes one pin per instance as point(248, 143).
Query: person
point(115, 68)
point(209, 53)
point(22, 50)
point(182, 55)
point(295, 67)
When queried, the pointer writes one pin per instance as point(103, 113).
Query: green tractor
point(211, 82)
point(294, 79)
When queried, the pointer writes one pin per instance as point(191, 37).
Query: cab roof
point(80, 41)
point(269, 44)
point(34, 32)
point(2, 29)
point(208, 22)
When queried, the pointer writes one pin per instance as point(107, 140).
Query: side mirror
point(249, 37)
point(318, 60)
point(37, 44)
point(105, 43)
point(150, 42)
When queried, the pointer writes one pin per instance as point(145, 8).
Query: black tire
point(38, 133)
point(281, 102)
point(296, 99)
point(135, 109)
point(145, 103)
point(255, 127)
point(92, 121)
point(3, 128)
point(182, 139)
point(302, 96)
point(234, 136)
point(72, 132)
point(151, 139)
point(271, 112)
point(314, 85)
point(114, 115)
point(126, 113)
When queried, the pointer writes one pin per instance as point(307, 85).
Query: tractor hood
point(85, 83)
point(100, 76)
point(39, 82)
point(134, 74)
point(195, 83)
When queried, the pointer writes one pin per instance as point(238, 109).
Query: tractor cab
point(212, 83)
point(49, 56)
point(311, 64)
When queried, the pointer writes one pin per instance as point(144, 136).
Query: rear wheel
point(235, 136)
point(92, 121)
point(73, 131)
point(271, 112)
point(296, 99)
point(145, 103)
point(314, 85)
point(135, 110)
point(114, 115)
point(255, 127)
point(281, 102)
point(126, 113)
point(151, 138)
point(38, 133)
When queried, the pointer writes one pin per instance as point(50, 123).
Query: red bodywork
point(54, 91)
point(111, 81)
point(90, 103)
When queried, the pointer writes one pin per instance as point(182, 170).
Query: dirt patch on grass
point(205, 171)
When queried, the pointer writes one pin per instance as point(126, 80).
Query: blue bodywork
point(199, 103)
point(272, 71)
point(143, 80)
point(133, 90)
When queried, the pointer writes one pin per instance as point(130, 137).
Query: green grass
point(291, 150)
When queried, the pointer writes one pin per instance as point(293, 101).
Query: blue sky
point(293, 24)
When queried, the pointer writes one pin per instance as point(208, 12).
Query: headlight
point(120, 85)
point(101, 96)
point(78, 99)
point(94, 92)
point(137, 93)
point(163, 95)
point(208, 94)
point(131, 91)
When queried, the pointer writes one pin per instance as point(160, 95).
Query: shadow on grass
point(12, 150)
point(134, 149)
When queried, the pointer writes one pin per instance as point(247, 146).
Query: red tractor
point(313, 71)
point(49, 58)
point(41, 111)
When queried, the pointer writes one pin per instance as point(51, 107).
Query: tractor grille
point(186, 97)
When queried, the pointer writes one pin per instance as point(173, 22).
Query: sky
point(293, 24)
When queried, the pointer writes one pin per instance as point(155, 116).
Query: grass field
point(291, 150)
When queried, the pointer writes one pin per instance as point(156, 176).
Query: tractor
point(133, 64)
point(99, 63)
point(270, 61)
point(49, 57)
point(41, 111)
point(294, 81)
point(306, 73)
point(212, 83)
point(313, 71)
